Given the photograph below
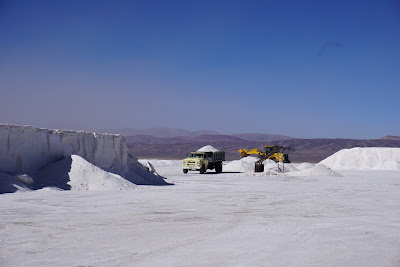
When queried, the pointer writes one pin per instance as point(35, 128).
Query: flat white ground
point(210, 219)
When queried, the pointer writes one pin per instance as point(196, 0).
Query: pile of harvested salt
point(365, 158)
point(76, 173)
point(243, 165)
point(208, 148)
point(318, 170)
point(305, 166)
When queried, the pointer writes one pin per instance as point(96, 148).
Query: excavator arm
point(255, 151)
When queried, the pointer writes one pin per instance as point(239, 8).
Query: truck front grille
point(190, 163)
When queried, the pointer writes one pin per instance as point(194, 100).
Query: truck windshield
point(195, 155)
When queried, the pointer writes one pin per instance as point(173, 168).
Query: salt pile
point(287, 167)
point(26, 150)
point(366, 158)
point(305, 166)
point(10, 185)
point(271, 166)
point(318, 170)
point(243, 165)
point(208, 148)
point(76, 173)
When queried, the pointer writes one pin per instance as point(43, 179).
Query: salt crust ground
point(312, 217)
point(211, 219)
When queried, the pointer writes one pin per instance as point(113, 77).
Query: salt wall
point(26, 149)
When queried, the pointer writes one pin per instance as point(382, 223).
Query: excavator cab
point(268, 149)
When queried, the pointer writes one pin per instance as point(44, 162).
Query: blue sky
point(300, 68)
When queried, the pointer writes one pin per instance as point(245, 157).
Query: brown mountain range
point(390, 137)
point(149, 139)
point(299, 150)
point(257, 137)
point(156, 132)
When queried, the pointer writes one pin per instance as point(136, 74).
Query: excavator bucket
point(258, 167)
point(243, 153)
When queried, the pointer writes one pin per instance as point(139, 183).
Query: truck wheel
point(218, 167)
point(202, 169)
point(185, 170)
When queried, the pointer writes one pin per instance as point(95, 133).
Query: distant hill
point(390, 137)
point(149, 139)
point(257, 137)
point(157, 132)
point(173, 132)
point(163, 142)
point(301, 150)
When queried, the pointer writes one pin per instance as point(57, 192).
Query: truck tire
point(185, 170)
point(202, 169)
point(218, 167)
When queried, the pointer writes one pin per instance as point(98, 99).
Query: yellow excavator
point(274, 153)
point(271, 152)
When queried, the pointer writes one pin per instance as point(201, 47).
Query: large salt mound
point(243, 165)
point(288, 168)
point(208, 148)
point(366, 158)
point(10, 185)
point(318, 170)
point(76, 173)
point(270, 165)
point(305, 166)
point(26, 149)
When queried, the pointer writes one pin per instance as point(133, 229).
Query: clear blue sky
point(299, 68)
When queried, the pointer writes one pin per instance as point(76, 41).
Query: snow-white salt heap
point(317, 170)
point(243, 165)
point(76, 173)
point(208, 148)
point(367, 158)
point(287, 167)
point(305, 166)
point(26, 150)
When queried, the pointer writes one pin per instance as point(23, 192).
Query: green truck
point(203, 161)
